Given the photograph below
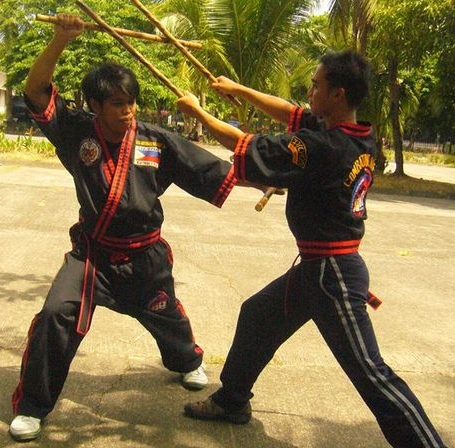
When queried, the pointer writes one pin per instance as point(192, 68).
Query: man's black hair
point(102, 81)
point(350, 71)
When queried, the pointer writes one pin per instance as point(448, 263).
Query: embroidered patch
point(159, 303)
point(89, 151)
point(359, 193)
point(147, 153)
point(299, 152)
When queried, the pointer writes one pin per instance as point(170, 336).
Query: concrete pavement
point(119, 396)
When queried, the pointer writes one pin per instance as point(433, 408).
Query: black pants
point(333, 293)
point(141, 286)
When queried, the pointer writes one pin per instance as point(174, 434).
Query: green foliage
point(24, 38)
point(270, 45)
point(25, 144)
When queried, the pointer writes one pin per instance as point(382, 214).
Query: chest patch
point(89, 151)
point(147, 154)
point(299, 152)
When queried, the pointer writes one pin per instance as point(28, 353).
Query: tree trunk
point(8, 108)
point(397, 138)
point(381, 161)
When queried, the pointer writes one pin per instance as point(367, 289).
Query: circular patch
point(90, 151)
point(359, 193)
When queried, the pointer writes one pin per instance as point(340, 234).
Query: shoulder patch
point(299, 151)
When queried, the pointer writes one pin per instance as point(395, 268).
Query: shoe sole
point(193, 386)
point(231, 418)
point(25, 437)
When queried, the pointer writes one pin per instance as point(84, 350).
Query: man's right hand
point(68, 26)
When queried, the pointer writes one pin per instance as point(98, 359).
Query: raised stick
point(183, 50)
point(123, 32)
point(130, 48)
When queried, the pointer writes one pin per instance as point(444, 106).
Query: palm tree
point(353, 19)
point(244, 39)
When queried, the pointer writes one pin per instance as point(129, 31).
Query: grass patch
point(411, 186)
point(23, 145)
point(424, 158)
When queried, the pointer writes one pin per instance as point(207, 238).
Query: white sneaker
point(24, 428)
point(195, 380)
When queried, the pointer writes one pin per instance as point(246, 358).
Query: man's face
point(320, 94)
point(115, 115)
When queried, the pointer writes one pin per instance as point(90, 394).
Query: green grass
point(25, 148)
point(427, 158)
point(23, 145)
point(411, 186)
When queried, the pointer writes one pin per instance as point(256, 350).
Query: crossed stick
point(182, 49)
point(112, 31)
point(141, 58)
point(122, 32)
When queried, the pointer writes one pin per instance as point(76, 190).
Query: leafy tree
point(255, 36)
point(353, 20)
point(404, 33)
point(24, 38)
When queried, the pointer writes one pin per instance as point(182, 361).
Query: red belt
point(318, 249)
point(120, 249)
point(309, 249)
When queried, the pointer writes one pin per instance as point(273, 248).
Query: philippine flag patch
point(147, 154)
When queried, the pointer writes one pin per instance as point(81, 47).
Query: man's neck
point(348, 117)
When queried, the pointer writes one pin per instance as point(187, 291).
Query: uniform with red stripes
point(327, 168)
point(119, 259)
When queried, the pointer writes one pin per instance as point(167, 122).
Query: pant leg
point(52, 344)
point(266, 320)
point(145, 291)
point(172, 331)
point(344, 323)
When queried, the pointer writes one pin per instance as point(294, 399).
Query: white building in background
point(2, 93)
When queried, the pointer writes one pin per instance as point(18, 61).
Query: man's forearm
point(277, 108)
point(41, 72)
point(225, 133)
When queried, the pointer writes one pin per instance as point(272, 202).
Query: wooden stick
point(130, 48)
point(122, 32)
point(182, 49)
point(267, 195)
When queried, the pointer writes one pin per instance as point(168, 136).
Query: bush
point(25, 144)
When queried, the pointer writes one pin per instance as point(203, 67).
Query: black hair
point(350, 71)
point(103, 80)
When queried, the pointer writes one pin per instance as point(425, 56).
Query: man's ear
point(339, 93)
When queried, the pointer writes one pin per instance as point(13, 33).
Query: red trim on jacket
point(294, 118)
point(108, 163)
point(225, 189)
point(47, 114)
point(356, 129)
point(117, 185)
point(239, 155)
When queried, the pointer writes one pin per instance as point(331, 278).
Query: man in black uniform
point(120, 168)
point(327, 170)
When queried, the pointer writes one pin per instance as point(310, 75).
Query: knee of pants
point(59, 311)
point(255, 306)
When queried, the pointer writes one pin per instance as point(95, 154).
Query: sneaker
point(209, 410)
point(196, 379)
point(24, 428)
